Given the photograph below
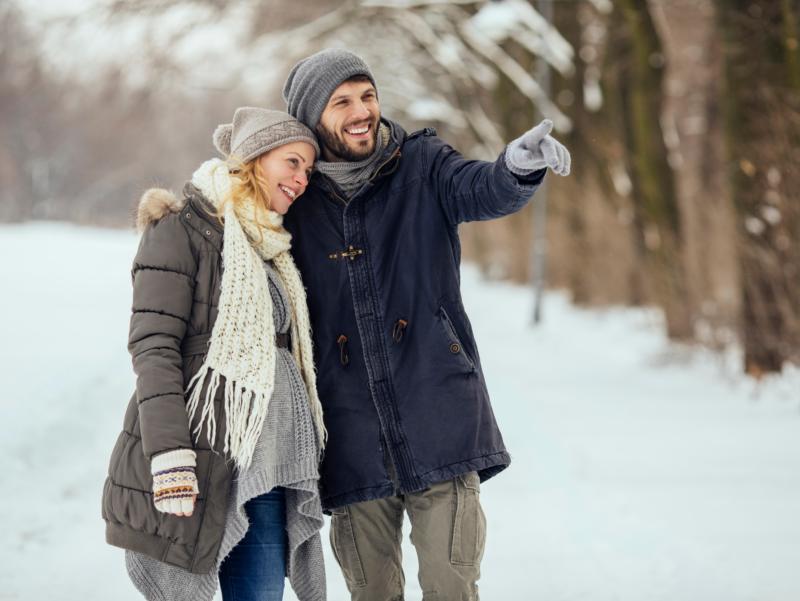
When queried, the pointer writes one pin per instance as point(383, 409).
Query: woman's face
point(287, 169)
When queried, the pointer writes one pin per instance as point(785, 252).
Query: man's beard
point(338, 148)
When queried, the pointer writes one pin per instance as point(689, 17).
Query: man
point(410, 427)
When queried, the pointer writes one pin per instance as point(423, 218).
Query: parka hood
point(155, 204)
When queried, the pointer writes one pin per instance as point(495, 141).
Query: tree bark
point(656, 214)
point(762, 135)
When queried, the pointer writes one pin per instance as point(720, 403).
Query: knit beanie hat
point(255, 131)
point(312, 81)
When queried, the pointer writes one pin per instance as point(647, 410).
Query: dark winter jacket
point(399, 374)
point(176, 285)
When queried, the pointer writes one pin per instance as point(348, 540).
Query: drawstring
point(399, 328)
point(344, 357)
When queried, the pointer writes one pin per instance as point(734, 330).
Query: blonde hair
point(248, 182)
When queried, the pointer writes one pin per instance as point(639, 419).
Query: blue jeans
point(255, 568)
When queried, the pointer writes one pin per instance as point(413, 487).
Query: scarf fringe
point(245, 411)
point(244, 316)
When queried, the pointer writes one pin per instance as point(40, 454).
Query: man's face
point(348, 127)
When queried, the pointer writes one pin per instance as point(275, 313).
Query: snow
point(520, 21)
point(81, 38)
point(754, 225)
point(435, 109)
point(641, 471)
point(771, 215)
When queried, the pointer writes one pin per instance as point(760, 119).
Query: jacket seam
point(157, 348)
point(483, 456)
point(326, 499)
point(178, 340)
point(115, 483)
point(167, 313)
point(140, 267)
point(452, 229)
point(146, 492)
point(201, 302)
point(137, 437)
point(378, 366)
point(355, 491)
point(160, 394)
point(203, 519)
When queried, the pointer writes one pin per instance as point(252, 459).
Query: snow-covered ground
point(641, 471)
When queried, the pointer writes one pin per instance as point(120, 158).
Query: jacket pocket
point(469, 522)
point(455, 347)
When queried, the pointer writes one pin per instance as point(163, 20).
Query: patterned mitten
point(174, 481)
point(537, 149)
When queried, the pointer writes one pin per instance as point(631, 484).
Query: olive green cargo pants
point(448, 530)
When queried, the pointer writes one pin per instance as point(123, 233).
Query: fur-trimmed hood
point(154, 204)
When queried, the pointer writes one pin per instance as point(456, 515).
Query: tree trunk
point(656, 213)
point(763, 138)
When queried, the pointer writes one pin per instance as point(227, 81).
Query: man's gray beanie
point(255, 131)
point(312, 81)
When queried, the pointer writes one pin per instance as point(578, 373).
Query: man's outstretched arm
point(471, 190)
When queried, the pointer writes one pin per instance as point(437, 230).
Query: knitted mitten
point(174, 481)
point(537, 149)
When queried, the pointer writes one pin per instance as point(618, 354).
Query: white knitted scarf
point(242, 347)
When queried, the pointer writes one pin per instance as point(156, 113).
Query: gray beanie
point(312, 81)
point(255, 131)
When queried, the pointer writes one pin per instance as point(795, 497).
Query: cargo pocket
point(343, 542)
point(469, 522)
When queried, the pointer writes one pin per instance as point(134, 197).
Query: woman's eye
point(294, 162)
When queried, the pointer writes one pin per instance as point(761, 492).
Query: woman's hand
point(175, 482)
point(181, 507)
point(188, 507)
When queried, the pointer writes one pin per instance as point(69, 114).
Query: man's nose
point(360, 110)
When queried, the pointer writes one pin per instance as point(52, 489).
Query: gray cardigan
point(286, 455)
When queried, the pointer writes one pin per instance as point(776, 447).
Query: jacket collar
point(198, 214)
point(201, 205)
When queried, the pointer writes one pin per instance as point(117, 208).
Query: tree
point(762, 115)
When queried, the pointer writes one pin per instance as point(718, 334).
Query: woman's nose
point(301, 179)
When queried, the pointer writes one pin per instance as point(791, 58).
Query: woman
point(213, 479)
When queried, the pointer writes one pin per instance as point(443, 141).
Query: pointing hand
point(537, 149)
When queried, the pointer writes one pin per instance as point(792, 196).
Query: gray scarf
point(349, 175)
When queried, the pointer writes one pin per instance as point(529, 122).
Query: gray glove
point(537, 149)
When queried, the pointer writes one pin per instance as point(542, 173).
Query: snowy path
point(641, 472)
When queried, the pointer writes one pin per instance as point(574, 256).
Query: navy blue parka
point(398, 370)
